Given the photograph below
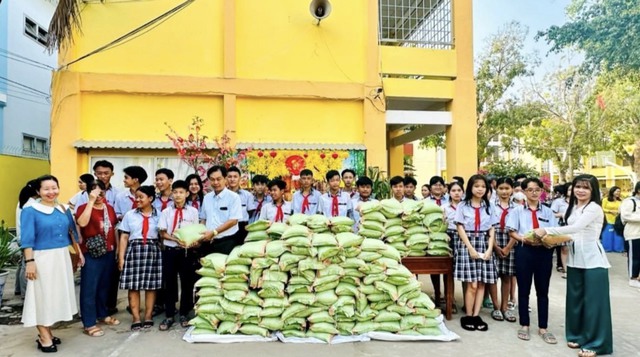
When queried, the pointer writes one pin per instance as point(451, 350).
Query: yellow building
point(371, 76)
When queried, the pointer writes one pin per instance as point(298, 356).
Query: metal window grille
point(416, 23)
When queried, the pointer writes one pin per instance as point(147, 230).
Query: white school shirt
point(132, 224)
point(450, 215)
point(355, 203)
point(466, 216)
point(269, 211)
point(520, 219)
point(157, 202)
point(314, 201)
point(444, 200)
point(189, 216)
point(246, 198)
point(125, 202)
point(254, 212)
point(345, 209)
point(584, 226)
point(110, 195)
point(220, 208)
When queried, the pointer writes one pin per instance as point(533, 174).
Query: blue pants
point(94, 287)
point(533, 265)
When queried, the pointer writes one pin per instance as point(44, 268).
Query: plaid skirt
point(506, 266)
point(142, 266)
point(474, 270)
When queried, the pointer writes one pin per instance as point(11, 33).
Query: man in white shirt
point(335, 202)
point(306, 199)
point(134, 176)
point(103, 170)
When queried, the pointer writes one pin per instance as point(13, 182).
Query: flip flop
point(184, 321)
point(587, 353)
point(166, 324)
point(136, 326)
point(523, 334)
point(497, 315)
point(548, 337)
point(111, 321)
point(509, 316)
point(147, 324)
point(94, 331)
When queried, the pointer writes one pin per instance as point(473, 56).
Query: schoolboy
point(164, 179)
point(348, 178)
point(134, 176)
point(175, 259)
point(259, 183)
point(279, 210)
point(306, 199)
point(436, 183)
point(365, 187)
point(233, 184)
point(103, 170)
point(397, 188)
point(410, 188)
point(335, 202)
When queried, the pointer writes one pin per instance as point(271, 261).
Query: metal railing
point(416, 23)
point(20, 152)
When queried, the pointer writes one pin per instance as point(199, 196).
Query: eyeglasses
point(533, 190)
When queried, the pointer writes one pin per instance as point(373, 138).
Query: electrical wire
point(28, 100)
point(24, 86)
point(9, 54)
point(146, 27)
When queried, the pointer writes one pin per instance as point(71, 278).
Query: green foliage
point(510, 168)
point(381, 187)
point(7, 249)
point(606, 30)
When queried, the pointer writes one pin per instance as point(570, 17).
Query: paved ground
point(500, 340)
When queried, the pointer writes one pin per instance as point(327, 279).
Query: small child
point(279, 210)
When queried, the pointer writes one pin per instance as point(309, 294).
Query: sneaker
point(634, 283)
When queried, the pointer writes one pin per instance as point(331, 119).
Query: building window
point(35, 31)
point(413, 23)
point(34, 146)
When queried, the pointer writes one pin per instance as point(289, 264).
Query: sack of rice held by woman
point(298, 219)
point(190, 234)
point(551, 240)
point(391, 208)
point(435, 222)
point(296, 231)
point(259, 225)
point(276, 230)
point(373, 217)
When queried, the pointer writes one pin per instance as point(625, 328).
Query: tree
point(606, 30)
point(510, 168)
point(568, 127)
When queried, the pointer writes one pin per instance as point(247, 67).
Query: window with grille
point(35, 31)
point(32, 145)
point(416, 23)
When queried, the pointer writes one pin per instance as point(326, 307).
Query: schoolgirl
point(455, 197)
point(474, 263)
point(196, 191)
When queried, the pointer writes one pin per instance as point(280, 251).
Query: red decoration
point(295, 164)
point(306, 155)
point(322, 155)
point(260, 154)
point(273, 154)
point(334, 155)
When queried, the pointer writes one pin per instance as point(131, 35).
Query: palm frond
point(65, 20)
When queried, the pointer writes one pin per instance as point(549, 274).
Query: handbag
point(74, 249)
point(96, 246)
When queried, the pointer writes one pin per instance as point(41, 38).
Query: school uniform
point(245, 199)
point(335, 205)
point(160, 203)
point(306, 204)
point(506, 266)
point(588, 304)
point(450, 215)
point(255, 206)
point(110, 195)
point(355, 203)
point(143, 258)
point(177, 261)
point(476, 222)
point(197, 204)
point(216, 210)
point(442, 201)
point(533, 264)
point(274, 213)
point(125, 202)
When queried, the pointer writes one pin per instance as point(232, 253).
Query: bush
point(510, 168)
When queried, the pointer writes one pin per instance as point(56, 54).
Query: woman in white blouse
point(588, 315)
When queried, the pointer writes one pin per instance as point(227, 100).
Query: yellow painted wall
point(21, 171)
point(188, 43)
point(418, 61)
point(142, 118)
point(298, 121)
point(278, 39)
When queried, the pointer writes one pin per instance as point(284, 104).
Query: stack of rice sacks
point(413, 228)
point(306, 281)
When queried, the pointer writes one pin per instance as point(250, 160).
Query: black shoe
point(468, 323)
point(55, 340)
point(47, 349)
point(480, 324)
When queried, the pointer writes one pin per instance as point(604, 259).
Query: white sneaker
point(634, 283)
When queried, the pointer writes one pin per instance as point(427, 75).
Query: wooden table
point(435, 265)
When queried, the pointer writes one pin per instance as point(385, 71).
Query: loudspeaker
point(320, 9)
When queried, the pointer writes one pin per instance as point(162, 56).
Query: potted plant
point(7, 254)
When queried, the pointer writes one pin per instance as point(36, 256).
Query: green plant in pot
point(8, 252)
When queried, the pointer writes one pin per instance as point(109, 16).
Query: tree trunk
point(563, 175)
point(636, 159)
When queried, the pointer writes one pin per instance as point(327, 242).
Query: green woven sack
point(259, 225)
point(256, 236)
point(190, 234)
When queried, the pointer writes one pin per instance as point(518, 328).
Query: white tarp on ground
point(447, 335)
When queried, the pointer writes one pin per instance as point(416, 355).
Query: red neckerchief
point(145, 228)
point(164, 203)
point(503, 216)
point(334, 204)
point(195, 204)
point(477, 219)
point(305, 201)
point(259, 207)
point(279, 214)
point(534, 219)
point(177, 218)
point(452, 206)
point(134, 205)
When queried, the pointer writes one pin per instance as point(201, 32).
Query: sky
point(490, 15)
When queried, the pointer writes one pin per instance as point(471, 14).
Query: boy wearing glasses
point(436, 183)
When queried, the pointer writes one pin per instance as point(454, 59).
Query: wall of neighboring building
point(4, 15)
point(22, 170)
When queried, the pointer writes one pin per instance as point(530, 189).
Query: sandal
point(497, 315)
point(184, 321)
point(467, 323)
point(480, 324)
point(94, 331)
point(573, 345)
point(587, 353)
point(509, 316)
point(111, 321)
point(548, 337)
point(147, 324)
point(166, 324)
point(523, 334)
point(136, 326)
point(47, 349)
point(54, 339)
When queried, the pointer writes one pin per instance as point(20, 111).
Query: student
point(517, 182)
point(365, 186)
point(164, 179)
point(426, 191)
point(196, 191)
point(97, 220)
point(279, 210)
point(410, 188)
point(611, 241)
point(259, 183)
point(82, 185)
point(139, 256)
point(233, 184)
point(176, 258)
point(221, 212)
point(307, 199)
point(630, 214)
point(503, 250)
point(103, 170)
point(559, 207)
point(134, 177)
point(533, 261)
point(436, 185)
point(474, 263)
point(335, 202)
point(456, 191)
point(588, 304)
point(397, 188)
point(349, 177)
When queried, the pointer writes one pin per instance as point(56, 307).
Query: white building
point(25, 77)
